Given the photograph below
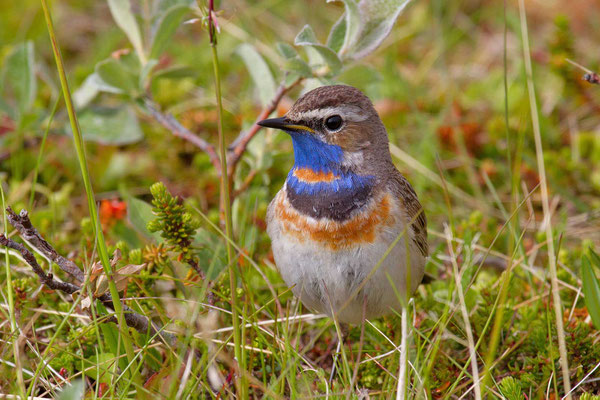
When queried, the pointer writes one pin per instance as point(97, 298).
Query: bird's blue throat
point(336, 197)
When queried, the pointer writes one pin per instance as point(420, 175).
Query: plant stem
point(401, 393)
point(503, 295)
point(226, 203)
point(11, 307)
point(80, 148)
point(465, 315)
point(562, 348)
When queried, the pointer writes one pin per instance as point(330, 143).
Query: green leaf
point(307, 37)
point(121, 12)
point(291, 78)
point(73, 392)
point(595, 258)
point(591, 289)
point(353, 19)
point(286, 50)
point(368, 23)
point(335, 41)
point(145, 73)
point(89, 89)
point(259, 71)
point(352, 25)
point(293, 63)
point(19, 76)
point(176, 72)
point(113, 126)
point(115, 74)
point(298, 66)
point(164, 5)
point(140, 213)
point(166, 27)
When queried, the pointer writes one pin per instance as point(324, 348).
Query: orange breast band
point(308, 175)
point(364, 227)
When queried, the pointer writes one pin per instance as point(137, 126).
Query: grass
point(487, 119)
point(102, 248)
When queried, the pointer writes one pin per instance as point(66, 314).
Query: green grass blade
point(80, 148)
point(591, 287)
point(11, 303)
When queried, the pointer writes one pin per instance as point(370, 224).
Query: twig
point(589, 76)
point(22, 223)
point(171, 123)
point(593, 78)
point(194, 264)
point(140, 323)
point(47, 279)
point(237, 148)
point(246, 184)
point(28, 232)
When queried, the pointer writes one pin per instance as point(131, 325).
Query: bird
point(348, 233)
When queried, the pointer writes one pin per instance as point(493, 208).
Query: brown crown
point(330, 96)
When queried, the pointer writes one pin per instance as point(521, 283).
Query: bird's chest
point(330, 195)
point(332, 222)
point(327, 260)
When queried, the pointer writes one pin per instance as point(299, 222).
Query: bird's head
point(334, 129)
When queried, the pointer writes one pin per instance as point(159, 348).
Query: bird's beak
point(284, 124)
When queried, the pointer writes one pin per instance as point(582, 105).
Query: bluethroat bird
point(349, 235)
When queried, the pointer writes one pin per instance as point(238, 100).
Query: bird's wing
point(416, 215)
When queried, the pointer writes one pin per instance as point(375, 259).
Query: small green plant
point(511, 388)
point(589, 396)
point(175, 225)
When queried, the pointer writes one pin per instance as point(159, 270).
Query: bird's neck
point(319, 185)
point(312, 153)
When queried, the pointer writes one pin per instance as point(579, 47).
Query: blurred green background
point(451, 87)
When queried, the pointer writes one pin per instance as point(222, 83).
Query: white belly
point(352, 279)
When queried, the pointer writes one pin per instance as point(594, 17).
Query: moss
point(511, 389)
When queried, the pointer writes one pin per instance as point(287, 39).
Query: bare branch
point(22, 223)
point(238, 147)
point(47, 279)
point(28, 232)
point(593, 78)
point(170, 122)
point(589, 76)
point(246, 184)
point(194, 264)
point(139, 322)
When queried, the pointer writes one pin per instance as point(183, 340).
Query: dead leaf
point(123, 274)
point(120, 277)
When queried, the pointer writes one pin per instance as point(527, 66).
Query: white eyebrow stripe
point(347, 112)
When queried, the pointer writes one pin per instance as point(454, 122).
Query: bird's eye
point(333, 123)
